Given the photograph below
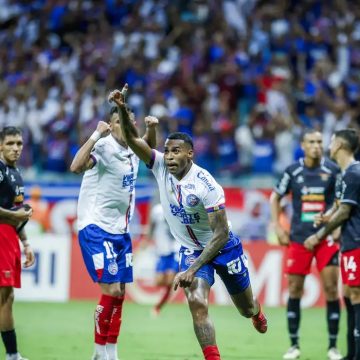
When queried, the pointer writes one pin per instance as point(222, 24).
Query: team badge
point(324, 176)
point(192, 200)
point(113, 268)
point(189, 260)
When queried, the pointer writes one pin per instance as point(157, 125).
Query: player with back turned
point(311, 181)
point(346, 213)
point(105, 208)
point(13, 216)
point(194, 207)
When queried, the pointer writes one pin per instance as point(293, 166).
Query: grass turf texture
point(50, 331)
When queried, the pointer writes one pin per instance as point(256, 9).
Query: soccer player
point(105, 207)
point(194, 207)
point(167, 264)
point(343, 146)
point(13, 216)
point(311, 182)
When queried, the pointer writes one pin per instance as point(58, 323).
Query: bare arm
point(275, 208)
point(14, 218)
point(219, 225)
point(151, 123)
point(82, 160)
point(29, 253)
point(136, 143)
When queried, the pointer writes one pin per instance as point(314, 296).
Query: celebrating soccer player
point(311, 182)
point(343, 146)
point(13, 217)
point(194, 207)
point(105, 208)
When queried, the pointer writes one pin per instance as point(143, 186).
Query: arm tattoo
point(337, 219)
point(220, 228)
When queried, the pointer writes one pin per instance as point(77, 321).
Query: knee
point(7, 298)
point(295, 291)
point(248, 311)
point(117, 291)
point(331, 292)
point(198, 306)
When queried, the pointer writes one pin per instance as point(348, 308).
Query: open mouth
point(171, 166)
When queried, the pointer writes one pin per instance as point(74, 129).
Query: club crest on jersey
point(189, 260)
point(113, 268)
point(324, 176)
point(192, 200)
point(190, 186)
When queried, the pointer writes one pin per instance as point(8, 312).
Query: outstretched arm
point(82, 160)
point(136, 143)
point(220, 228)
point(150, 133)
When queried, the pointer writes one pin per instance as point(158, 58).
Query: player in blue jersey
point(194, 207)
point(311, 182)
point(105, 207)
point(346, 214)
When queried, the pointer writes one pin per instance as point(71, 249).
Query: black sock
point(9, 340)
point(357, 331)
point(350, 319)
point(293, 317)
point(333, 317)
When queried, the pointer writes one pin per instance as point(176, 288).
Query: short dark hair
point(9, 131)
point(307, 131)
point(350, 137)
point(182, 136)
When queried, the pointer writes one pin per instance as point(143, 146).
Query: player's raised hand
point(151, 121)
point(29, 255)
point(183, 279)
point(117, 96)
point(103, 128)
point(282, 235)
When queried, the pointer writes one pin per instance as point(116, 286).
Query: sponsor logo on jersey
point(128, 180)
point(192, 200)
point(313, 197)
point(201, 175)
point(190, 186)
point(312, 190)
point(313, 206)
point(185, 218)
point(113, 268)
point(308, 216)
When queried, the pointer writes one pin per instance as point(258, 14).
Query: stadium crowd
point(243, 77)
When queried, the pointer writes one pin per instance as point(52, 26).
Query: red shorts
point(10, 257)
point(299, 259)
point(350, 267)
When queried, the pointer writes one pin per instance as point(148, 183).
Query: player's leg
point(7, 326)
point(329, 277)
point(198, 298)
point(355, 300)
point(350, 322)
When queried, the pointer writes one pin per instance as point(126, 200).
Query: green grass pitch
point(51, 331)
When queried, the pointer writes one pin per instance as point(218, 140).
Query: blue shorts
point(167, 263)
point(108, 257)
point(230, 264)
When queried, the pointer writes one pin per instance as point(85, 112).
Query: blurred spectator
point(40, 209)
point(268, 69)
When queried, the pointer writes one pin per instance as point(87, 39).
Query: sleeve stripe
point(348, 201)
point(92, 156)
point(215, 208)
point(152, 160)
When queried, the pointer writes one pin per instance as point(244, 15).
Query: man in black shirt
point(311, 182)
point(343, 146)
point(13, 216)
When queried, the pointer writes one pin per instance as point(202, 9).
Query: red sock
point(115, 323)
point(211, 352)
point(103, 313)
point(164, 297)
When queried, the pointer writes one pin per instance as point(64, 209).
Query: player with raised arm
point(13, 217)
point(346, 214)
point(311, 182)
point(194, 207)
point(105, 207)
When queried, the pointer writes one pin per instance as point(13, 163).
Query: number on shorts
point(349, 263)
point(110, 253)
point(235, 266)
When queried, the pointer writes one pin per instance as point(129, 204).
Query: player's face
point(334, 146)
point(313, 145)
point(11, 148)
point(178, 157)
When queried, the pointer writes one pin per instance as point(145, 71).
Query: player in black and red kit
point(311, 182)
point(13, 216)
point(343, 146)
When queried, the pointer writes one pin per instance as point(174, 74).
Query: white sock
point(100, 349)
point(112, 351)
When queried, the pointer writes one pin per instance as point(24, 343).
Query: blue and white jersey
point(107, 193)
point(187, 202)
